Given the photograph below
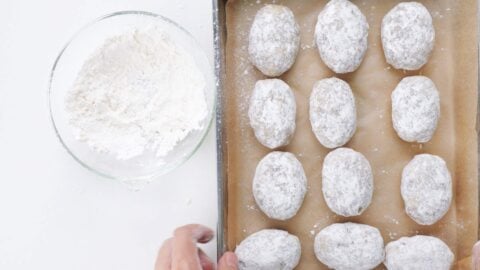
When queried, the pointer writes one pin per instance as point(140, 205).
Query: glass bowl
point(69, 63)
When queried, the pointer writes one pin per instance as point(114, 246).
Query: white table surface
point(54, 214)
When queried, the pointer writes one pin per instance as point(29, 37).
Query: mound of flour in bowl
point(138, 92)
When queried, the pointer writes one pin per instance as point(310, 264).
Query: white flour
point(137, 93)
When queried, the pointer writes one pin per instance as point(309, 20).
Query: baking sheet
point(453, 67)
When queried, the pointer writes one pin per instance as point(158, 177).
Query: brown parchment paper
point(453, 67)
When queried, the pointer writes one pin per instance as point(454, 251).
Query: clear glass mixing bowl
point(69, 63)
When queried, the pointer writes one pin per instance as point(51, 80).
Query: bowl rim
point(172, 166)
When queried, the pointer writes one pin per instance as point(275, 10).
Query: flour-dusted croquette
point(426, 188)
point(415, 109)
point(341, 34)
point(347, 182)
point(418, 252)
point(274, 40)
point(332, 112)
point(269, 249)
point(272, 113)
point(279, 185)
point(408, 36)
point(349, 246)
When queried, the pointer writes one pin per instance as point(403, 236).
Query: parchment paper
point(453, 67)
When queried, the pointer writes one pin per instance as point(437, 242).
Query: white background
point(54, 214)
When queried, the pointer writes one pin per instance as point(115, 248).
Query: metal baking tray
point(220, 36)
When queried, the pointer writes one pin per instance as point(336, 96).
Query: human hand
point(476, 256)
point(181, 252)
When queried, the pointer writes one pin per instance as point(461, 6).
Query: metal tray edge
point(219, 34)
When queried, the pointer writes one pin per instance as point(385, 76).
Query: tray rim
point(219, 36)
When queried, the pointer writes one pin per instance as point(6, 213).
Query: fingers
point(205, 261)
point(185, 254)
point(228, 261)
point(476, 256)
point(164, 261)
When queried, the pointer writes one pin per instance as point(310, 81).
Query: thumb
point(228, 261)
point(476, 256)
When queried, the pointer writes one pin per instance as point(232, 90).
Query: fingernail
point(231, 260)
point(207, 237)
